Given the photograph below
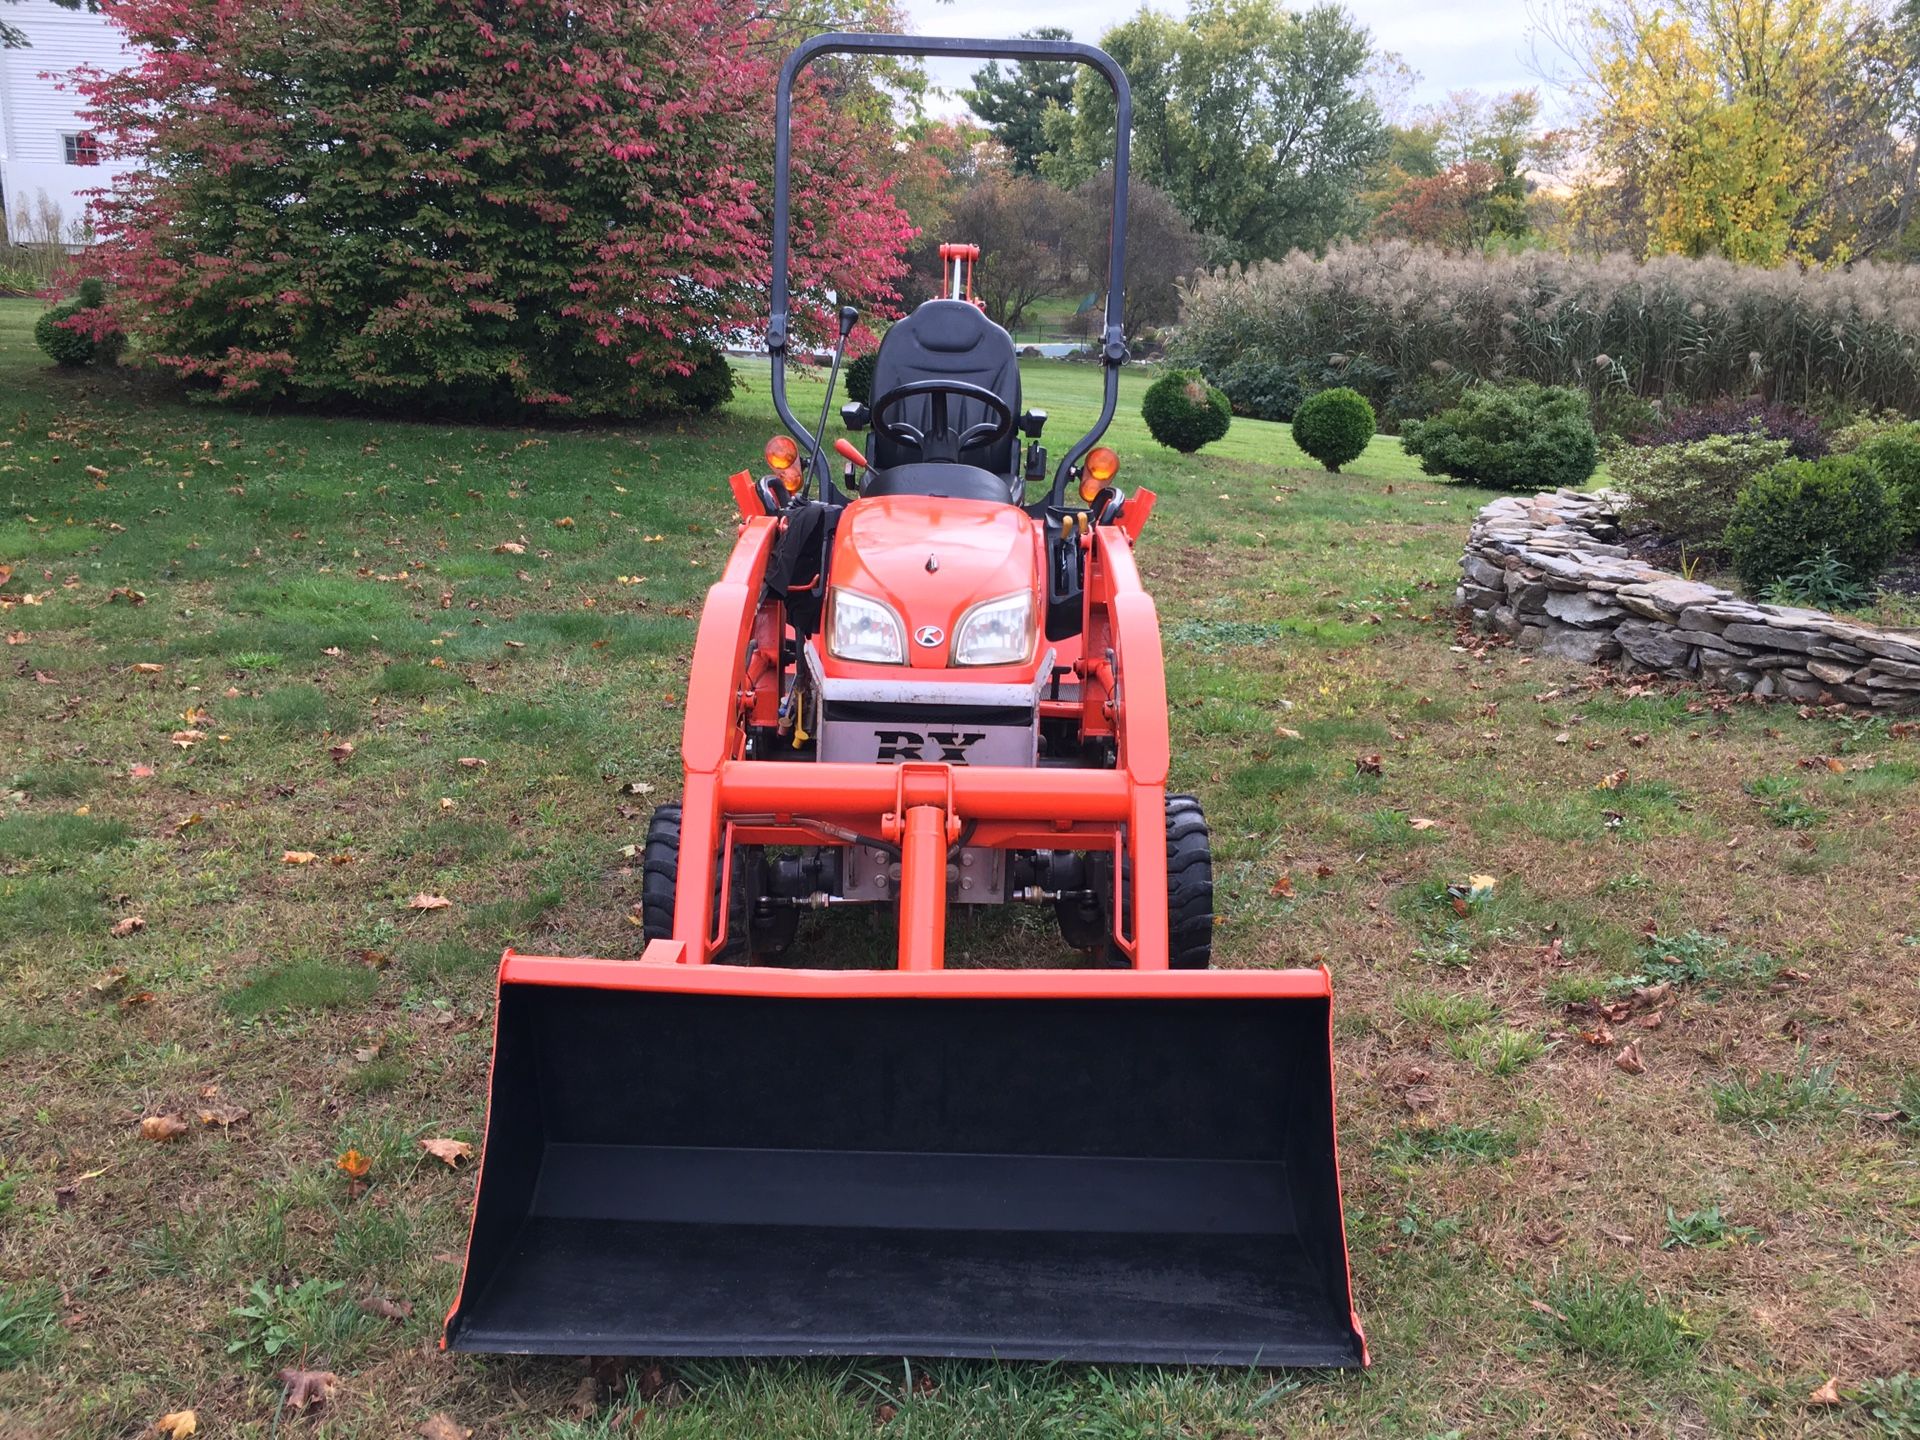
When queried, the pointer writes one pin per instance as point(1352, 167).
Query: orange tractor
point(915, 689)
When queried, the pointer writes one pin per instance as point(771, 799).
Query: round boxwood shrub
point(1801, 509)
point(1895, 457)
point(75, 348)
point(1512, 437)
point(1183, 412)
point(1333, 426)
point(859, 377)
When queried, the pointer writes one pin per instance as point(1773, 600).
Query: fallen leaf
point(1600, 1037)
point(1838, 767)
point(353, 1164)
point(148, 667)
point(126, 593)
point(1286, 732)
point(1420, 1097)
point(110, 981)
point(471, 762)
point(1283, 886)
point(162, 1127)
point(1827, 1394)
point(387, 1309)
point(565, 522)
point(342, 752)
point(1478, 885)
point(298, 857)
point(1420, 822)
point(132, 925)
point(333, 652)
point(140, 772)
point(1367, 765)
point(443, 1427)
point(509, 547)
point(308, 1387)
point(1629, 1059)
point(428, 902)
point(18, 637)
point(196, 818)
point(451, 1151)
point(1611, 782)
point(138, 998)
point(224, 1117)
point(177, 1424)
point(187, 739)
point(584, 1403)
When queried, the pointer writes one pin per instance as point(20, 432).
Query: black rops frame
point(1113, 350)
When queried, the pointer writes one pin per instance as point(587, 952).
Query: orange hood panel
point(932, 558)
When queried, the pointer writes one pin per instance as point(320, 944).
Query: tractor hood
point(932, 559)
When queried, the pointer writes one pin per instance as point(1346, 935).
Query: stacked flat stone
point(1548, 571)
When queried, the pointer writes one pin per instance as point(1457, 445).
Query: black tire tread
point(1189, 885)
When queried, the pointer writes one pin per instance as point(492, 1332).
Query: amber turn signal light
point(1098, 472)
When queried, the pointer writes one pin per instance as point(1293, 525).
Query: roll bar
point(1113, 349)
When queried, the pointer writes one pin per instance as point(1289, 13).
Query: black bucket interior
point(1076, 1179)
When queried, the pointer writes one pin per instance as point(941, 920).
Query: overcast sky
point(1452, 44)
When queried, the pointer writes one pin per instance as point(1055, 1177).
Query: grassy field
point(448, 662)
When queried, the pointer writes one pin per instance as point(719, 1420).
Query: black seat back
point(948, 340)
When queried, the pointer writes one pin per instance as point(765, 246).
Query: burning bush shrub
point(1742, 416)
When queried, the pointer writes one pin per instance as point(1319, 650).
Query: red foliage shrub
point(464, 206)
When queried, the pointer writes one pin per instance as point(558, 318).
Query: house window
point(81, 149)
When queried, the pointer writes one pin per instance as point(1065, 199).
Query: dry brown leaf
point(1420, 1097)
point(187, 739)
point(472, 762)
point(424, 901)
point(162, 1127)
point(1420, 822)
point(1283, 886)
point(451, 1151)
point(341, 752)
point(1600, 1037)
point(308, 1388)
point(443, 1427)
point(333, 652)
point(177, 1424)
point(110, 981)
point(565, 522)
point(224, 1117)
point(1611, 782)
point(353, 1164)
point(584, 1403)
point(298, 857)
point(1367, 765)
point(1286, 732)
point(386, 1309)
point(140, 772)
point(509, 547)
point(1827, 1394)
point(18, 637)
point(148, 667)
point(132, 925)
point(1629, 1059)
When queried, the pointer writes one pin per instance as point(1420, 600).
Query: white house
point(47, 157)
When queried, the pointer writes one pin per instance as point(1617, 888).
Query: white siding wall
point(35, 112)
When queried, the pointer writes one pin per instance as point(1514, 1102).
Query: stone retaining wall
point(1550, 573)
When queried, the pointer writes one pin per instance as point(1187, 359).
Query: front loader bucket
point(1072, 1165)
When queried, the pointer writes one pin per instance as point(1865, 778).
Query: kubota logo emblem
point(929, 635)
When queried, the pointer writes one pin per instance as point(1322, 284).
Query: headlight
point(996, 632)
point(863, 629)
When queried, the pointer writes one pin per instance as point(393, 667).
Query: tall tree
point(1020, 223)
point(1013, 103)
point(1162, 248)
point(1257, 122)
point(1737, 127)
point(549, 206)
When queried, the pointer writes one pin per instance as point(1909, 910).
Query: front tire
point(1084, 923)
point(749, 933)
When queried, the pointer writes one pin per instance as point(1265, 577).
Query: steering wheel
point(939, 442)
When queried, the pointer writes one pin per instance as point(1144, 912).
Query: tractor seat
point(948, 340)
point(942, 478)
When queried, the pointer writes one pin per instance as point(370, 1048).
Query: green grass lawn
point(497, 623)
